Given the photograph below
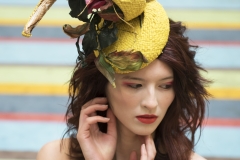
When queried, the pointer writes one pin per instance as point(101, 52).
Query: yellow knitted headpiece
point(149, 36)
point(125, 35)
point(139, 40)
point(131, 8)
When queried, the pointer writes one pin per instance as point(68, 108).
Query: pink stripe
point(228, 122)
point(217, 43)
point(32, 117)
point(222, 122)
point(42, 40)
point(70, 40)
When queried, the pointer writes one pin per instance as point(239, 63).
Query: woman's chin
point(144, 132)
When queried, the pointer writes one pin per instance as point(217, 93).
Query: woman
point(136, 91)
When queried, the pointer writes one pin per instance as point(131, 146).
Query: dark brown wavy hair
point(175, 134)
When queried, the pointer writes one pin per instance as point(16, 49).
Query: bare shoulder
point(195, 156)
point(53, 150)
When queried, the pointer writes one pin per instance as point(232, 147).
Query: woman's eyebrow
point(166, 78)
point(140, 79)
point(133, 78)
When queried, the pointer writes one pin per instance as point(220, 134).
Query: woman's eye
point(135, 85)
point(166, 86)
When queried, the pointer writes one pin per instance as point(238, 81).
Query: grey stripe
point(214, 35)
point(57, 104)
point(56, 32)
point(33, 104)
point(224, 109)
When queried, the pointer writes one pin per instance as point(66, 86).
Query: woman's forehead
point(157, 69)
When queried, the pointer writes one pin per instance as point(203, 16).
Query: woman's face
point(141, 99)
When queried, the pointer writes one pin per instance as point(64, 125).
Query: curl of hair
point(175, 134)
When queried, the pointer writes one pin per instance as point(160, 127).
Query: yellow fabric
point(149, 39)
point(129, 10)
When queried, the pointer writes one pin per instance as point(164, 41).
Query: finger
point(91, 122)
point(91, 111)
point(96, 119)
point(112, 130)
point(133, 155)
point(144, 155)
point(150, 147)
point(98, 100)
point(93, 108)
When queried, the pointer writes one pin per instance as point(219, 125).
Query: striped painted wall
point(34, 74)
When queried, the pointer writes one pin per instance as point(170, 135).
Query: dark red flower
point(105, 9)
point(95, 4)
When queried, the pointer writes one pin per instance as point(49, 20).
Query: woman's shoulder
point(54, 150)
point(195, 156)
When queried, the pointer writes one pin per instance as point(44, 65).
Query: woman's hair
point(175, 134)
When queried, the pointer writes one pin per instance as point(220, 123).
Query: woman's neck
point(127, 142)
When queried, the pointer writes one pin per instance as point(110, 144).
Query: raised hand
point(148, 150)
point(96, 145)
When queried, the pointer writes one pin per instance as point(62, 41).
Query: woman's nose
point(150, 100)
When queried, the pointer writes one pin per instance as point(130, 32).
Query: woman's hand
point(96, 145)
point(148, 150)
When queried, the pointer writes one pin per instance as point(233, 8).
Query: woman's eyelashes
point(133, 85)
point(137, 85)
point(166, 85)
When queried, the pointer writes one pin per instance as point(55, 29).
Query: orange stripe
point(34, 89)
point(225, 93)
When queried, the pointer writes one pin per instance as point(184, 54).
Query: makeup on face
point(141, 98)
point(136, 85)
point(147, 118)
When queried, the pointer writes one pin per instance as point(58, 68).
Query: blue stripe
point(203, 4)
point(211, 4)
point(47, 53)
point(31, 2)
point(28, 136)
point(56, 53)
point(31, 136)
point(219, 142)
point(222, 57)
